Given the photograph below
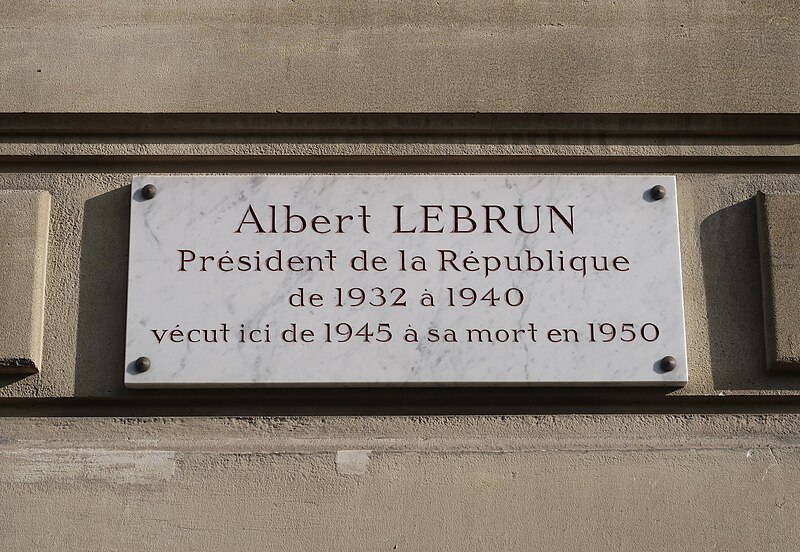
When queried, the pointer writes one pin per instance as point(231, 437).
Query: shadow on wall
point(8, 379)
point(732, 279)
point(102, 294)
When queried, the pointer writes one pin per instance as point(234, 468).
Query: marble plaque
point(404, 280)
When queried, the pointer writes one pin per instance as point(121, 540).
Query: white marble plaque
point(404, 280)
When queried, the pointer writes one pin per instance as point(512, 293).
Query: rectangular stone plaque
point(404, 280)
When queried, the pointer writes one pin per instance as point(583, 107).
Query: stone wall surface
point(422, 483)
point(488, 56)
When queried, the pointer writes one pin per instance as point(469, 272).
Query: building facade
point(94, 94)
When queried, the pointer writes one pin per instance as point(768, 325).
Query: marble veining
point(557, 264)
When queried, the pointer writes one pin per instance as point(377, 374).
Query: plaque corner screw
point(658, 192)
point(142, 364)
point(669, 363)
point(149, 191)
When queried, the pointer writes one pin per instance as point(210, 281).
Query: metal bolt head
point(658, 192)
point(143, 364)
point(669, 363)
point(149, 191)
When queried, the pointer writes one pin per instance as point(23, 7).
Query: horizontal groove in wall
point(393, 403)
point(400, 164)
point(632, 124)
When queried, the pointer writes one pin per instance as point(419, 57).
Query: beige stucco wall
point(86, 464)
point(452, 483)
point(401, 55)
